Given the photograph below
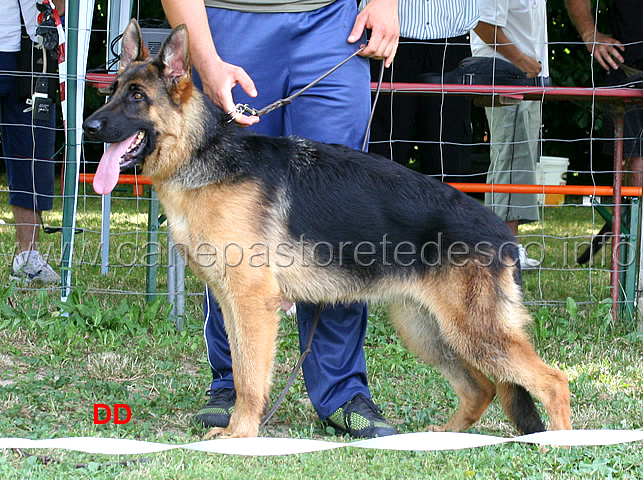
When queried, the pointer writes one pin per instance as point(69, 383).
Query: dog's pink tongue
point(108, 169)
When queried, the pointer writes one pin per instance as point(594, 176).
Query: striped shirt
point(433, 19)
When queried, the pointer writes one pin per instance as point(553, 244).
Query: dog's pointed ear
point(174, 56)
point(132, 47)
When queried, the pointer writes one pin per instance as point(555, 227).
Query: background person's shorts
point(27, 148)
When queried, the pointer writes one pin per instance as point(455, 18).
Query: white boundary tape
point(269, 446)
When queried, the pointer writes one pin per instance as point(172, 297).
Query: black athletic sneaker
point(216, 413)
point(360, 418)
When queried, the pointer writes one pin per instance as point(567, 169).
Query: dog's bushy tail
point(520, 407)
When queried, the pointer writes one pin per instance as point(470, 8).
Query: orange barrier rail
point(594, 190)
point(122, 179)
point(137, 181)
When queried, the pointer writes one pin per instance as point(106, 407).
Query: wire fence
point(133, 260)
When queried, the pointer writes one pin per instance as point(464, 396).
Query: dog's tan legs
point(481, 316)
point(420, 333)
point(252, 335)
point(475, 394)
point(547, 384)
point(511, 359)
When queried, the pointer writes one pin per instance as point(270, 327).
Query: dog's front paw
point(216, 432)
point(436, 428)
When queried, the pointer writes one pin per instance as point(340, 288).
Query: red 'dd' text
point(118, 407)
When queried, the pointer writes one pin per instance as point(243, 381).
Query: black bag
point(495, 71)
point(485, 71)
point(623, 77)
point(29, 67)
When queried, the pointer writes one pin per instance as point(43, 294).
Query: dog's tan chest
point(211, 222)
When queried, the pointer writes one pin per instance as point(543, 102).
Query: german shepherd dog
point(310, 222)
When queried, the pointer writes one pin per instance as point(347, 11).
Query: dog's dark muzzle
point(93, 127)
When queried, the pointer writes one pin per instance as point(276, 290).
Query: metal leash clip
point(241, 109)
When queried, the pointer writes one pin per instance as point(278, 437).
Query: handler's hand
point(219, 78)
point(529, 65)
point(605, 49)
point(380, 16)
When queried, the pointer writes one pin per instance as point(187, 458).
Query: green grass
point(112, 347)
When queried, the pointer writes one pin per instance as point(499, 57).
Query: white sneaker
point(30, 266)
point(526, 263)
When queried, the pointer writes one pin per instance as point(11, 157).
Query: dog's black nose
point(93, 126)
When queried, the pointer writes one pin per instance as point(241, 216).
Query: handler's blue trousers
point(282, 53)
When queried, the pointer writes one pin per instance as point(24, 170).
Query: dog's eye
point(138, 96)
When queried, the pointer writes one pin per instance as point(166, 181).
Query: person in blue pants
point(256, 53)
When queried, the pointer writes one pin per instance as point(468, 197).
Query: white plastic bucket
point(552, 171)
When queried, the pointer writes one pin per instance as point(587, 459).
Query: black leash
point(293, 375)
point(246, 109)
point(375, 98)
